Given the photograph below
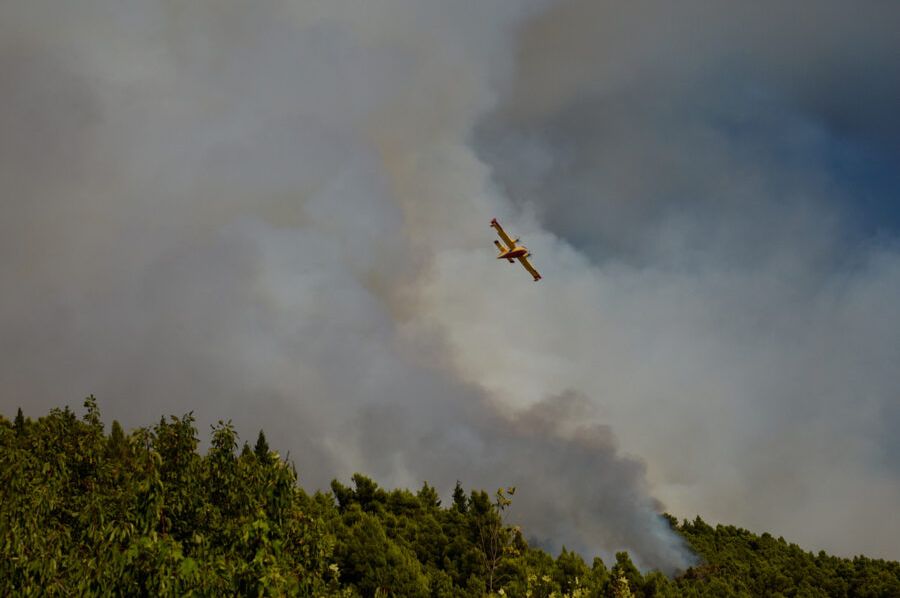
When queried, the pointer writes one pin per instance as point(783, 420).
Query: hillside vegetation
point(89, 513)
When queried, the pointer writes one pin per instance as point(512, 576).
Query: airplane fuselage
point(517, 251)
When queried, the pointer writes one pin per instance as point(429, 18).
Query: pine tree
point(429, 496)
point(116, 446)
point(19, 423)
point(460, 501)
point(262, 447)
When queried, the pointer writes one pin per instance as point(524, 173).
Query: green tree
point(19, 422)
point(493, 537)
point(460, 501)
point(620, 586)
point(262, 447)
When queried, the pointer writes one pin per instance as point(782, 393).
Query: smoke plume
point(278, 214)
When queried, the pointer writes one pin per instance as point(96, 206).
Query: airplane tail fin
point(499, 246)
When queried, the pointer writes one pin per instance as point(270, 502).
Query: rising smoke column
point(243, 211)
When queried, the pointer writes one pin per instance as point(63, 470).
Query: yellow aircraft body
point(513, 250)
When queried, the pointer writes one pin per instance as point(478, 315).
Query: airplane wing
point(502, 233)
point(530, 268)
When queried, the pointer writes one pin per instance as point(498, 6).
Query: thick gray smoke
point(277, 213)
point(728, 174)
point(237, 209)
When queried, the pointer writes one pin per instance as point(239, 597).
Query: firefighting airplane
point(513, 250)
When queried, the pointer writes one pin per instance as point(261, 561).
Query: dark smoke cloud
point(574, 488)
point(728, 175)
point(587, 490)
point(245, 211)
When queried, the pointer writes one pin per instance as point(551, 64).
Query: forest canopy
point(84, 511)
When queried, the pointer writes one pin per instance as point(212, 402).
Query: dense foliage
point(739, 563)
point(85, 512)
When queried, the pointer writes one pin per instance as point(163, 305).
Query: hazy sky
point(278, 214)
